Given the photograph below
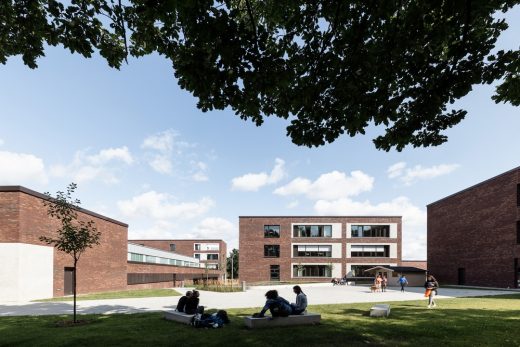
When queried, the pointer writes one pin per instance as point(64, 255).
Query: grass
point(483, 321)
point(220, 288)
point(138, 293)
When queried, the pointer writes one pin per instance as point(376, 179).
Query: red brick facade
point(187, 248)
point(101, 268)
point(420, 264)
point(473, 236)
point(23, 219)
point(254, 267)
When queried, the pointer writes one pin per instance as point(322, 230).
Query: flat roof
point(376, 216)
point(36, 194)
point(198, 240)
point(476, 185)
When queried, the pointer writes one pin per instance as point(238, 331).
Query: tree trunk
point(74, 288)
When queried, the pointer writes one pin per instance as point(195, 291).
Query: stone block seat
point(268, 321)
point(180, 317)
point(381, 310)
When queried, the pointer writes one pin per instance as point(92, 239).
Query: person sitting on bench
point(301, 301)
point(192, 304)
point(182, 301)
point(278, 306)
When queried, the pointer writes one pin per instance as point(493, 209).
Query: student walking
point(301, 301)
point(431, 286)
point(403, 282)
point(384, 283)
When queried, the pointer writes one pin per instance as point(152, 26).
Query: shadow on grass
point(410, 324)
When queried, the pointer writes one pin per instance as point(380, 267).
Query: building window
point(272, 251)
point(271, 231)
point(370, 251)
point(312, 251)
point(518, 232)
point(312, 231)
point(312, 271)
point(275, 272)
point(518, 195)
point(197, 256)
point(359, 270)
point(212, 256)
point(172, 247)
point(136, 257)
point(197, 246)
point(370, 231)
point(150, 259)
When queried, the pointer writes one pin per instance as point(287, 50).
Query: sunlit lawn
point(140, 293)
point(486, 321)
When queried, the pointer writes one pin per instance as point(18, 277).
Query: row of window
point(319, 271)
point(209, 256)
point(199, 247)
point(273, 231)
point(159, 260)
point(325, 251)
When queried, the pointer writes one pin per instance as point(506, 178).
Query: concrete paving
point(323, 293)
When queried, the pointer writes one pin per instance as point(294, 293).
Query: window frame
point(310, 231)
point(268, 247)
point(276, 235)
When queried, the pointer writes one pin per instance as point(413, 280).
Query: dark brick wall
point(102, 268)
point(184, 274)
point(475, 229)
point(254, 267)
point(420, 264)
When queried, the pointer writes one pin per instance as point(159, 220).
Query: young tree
point(232, 264)
point(333, 68)
point(73, 236)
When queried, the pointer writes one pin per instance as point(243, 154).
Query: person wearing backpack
point(278, 306)
point(403, 282)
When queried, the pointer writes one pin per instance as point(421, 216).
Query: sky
point(142, 153)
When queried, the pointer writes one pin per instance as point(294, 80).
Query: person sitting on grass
point(182, 301)
point(301, 301)
point(278, 306)
point(192, 304)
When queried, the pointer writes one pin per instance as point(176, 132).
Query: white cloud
point(102, 166)
point(329, 186)
point(112, 154)
point(254, 181)
point(21, 169)
point(163, 146)
point(200, 174)
point(410, 175)
point(414, 219)
point(160, 206)
point(396, 170)
point(162, 142)
point(293, 204)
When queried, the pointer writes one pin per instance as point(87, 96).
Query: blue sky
point(143, 153)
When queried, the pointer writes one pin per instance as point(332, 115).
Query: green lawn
point(485, 321)
point(140, 293)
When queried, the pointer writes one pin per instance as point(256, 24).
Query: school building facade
point(312, 248)
point(210, 253)
point(31, 269)
point(474, 234)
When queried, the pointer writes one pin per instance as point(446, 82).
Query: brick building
point(316, 248)
point(31, 269)
point(207, 251)
point(474, 235)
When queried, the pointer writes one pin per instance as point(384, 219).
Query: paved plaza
point(323, 293)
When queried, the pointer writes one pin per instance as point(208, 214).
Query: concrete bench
point(381, 310)
point(178, 316)
point(301, 319)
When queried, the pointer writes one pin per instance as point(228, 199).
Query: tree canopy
point(328, 67)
